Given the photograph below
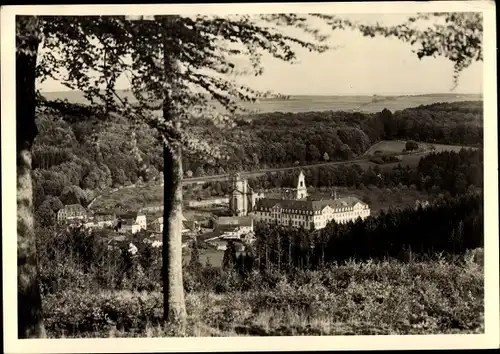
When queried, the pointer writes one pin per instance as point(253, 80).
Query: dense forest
point(74, 157)
point(283, 139)
point(446, 172)
point(449, 225)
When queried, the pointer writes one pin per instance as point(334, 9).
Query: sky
point(359, 66)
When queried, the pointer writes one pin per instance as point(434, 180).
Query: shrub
point(75, 312)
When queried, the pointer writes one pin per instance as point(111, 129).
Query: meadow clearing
point(397, 146)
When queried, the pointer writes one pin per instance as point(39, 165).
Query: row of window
point(304, 217)
point(305, 212)
point(286, 222)
point(287, 211)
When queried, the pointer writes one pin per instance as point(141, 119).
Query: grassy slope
point(397, 146)
point(131, 198)
point(358, 298)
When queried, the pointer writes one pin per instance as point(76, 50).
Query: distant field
point(397, 146)
point(368, 104)
point(131, 198)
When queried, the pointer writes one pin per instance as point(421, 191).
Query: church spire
point(301, 186)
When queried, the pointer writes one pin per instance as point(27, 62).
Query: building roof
point(158, 220)
point(129, 215)
point(235, 220)
point(101, 216)
point(209, 235)
point(74, 207)
point(127, 221)
point(190, 224)
point(226, 228)
point(238, 244)
point(346, 202)
point(183, 219)
point(308, 205)
point(104, 213)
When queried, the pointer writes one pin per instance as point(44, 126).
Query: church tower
point(301, 186)
point(239, 199)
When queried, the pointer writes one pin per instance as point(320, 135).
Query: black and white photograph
point(284, 176)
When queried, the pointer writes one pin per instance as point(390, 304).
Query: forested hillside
point(283, 139)
point(449, 225)
point(78, 152)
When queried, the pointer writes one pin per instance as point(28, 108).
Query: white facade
point(133, 223)
point(141, 221)
point(243, 198)
point(72, 212)
point(311, 216)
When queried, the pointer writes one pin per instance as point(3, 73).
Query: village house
point(157, 225)
point(207, 203)
point(238, 229)
point(220, 244)
point(101, 220)
point(188, 226)
point(72, 212)
point(156, 239)
point(243, 224)
point(131, 222)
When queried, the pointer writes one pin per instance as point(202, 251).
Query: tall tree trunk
point(29, 303)
point(174, 308)
point(173, 287)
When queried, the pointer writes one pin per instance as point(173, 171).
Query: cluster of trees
point(443, 171)
point(450, 171)
point(451, 226)
point(447, 171)
point(78, 257)
point(72, 165)
point(384, 159)
point(459, 123)
point(283, 139)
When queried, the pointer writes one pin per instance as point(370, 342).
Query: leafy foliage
point(442, 172)
point(451, 226)
point(389, 297)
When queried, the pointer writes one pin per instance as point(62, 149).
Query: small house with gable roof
point(131, 222)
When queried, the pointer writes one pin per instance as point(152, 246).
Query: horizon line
point(333, 94)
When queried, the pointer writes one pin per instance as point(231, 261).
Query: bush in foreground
point(387, 297)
